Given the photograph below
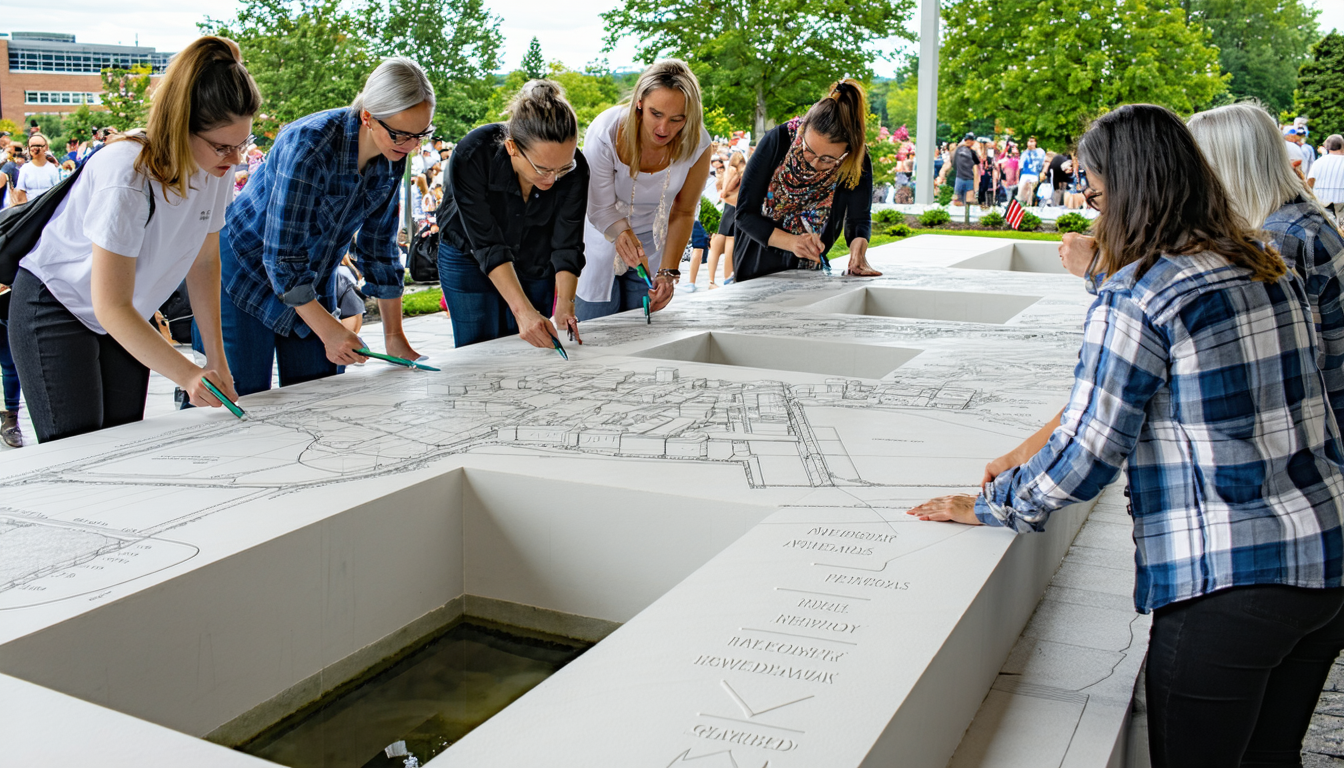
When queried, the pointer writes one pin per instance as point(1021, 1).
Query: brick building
point(44, 73)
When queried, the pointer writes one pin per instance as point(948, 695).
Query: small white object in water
point(411, 762)
point(396, 749)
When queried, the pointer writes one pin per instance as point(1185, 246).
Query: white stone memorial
point(719, 496)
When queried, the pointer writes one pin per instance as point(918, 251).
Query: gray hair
point(397, 85)
point(1244, 146)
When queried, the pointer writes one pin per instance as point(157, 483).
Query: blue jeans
point(252, 350)
point(477, 310)
point(627, 292)
point(8, 372)
point(962, 187)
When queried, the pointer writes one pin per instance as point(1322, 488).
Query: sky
point(570, 31)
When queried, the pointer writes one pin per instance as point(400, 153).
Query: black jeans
point(1233, 677)
point(76, 381)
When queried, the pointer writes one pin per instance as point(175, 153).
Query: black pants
point(75, 380)
point(1233, 677)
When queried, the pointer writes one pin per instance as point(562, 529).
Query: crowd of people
point(1212, 361)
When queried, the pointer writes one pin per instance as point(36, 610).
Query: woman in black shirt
point(808, 178)
point(512, 222)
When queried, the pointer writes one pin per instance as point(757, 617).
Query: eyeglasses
point(37, 146)
point(1091, 199)
point(544, 172)
point(825, 161)
point(224, 150)
point(401, 137)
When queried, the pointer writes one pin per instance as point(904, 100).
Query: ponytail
point(540, 113)
point(206, 86)
point(843, 117)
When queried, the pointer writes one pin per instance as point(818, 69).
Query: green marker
point(232, 406)
point(365, 351)
point(648, 319)
point(644, 273)
point(561, 350)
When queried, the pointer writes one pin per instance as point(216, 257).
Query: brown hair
point(206, 86)
point(843, 116)
point(1162, 197)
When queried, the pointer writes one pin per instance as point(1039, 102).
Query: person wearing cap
point(964, 166)
point(1295, 153)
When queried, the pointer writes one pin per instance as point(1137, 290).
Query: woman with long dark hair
point(809, 179)
point(1198, 372)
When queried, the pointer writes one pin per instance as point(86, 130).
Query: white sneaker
point(689, 288)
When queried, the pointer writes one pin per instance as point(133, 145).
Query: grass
point(840, 249)
point(421, 302)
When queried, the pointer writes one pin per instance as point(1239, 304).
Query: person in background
point(811, 173)
point(71, 152)
point(1032, 166)
point(649, 159)
point(67, 168)
point(1198, 370)
point(1058, 176)
point(1295, 154)
point(329, 175)
point(349, 301)
point(10, 432)
point(144, 215)
point(1326, 179)
point(511, 223)
point(726, 234)
point(964, 168)
point(1008, 165)
point(39, 175)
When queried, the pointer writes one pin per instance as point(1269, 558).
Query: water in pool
point(429, 700)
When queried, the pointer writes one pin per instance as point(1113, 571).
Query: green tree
point(1261, 44)
point(1320, 88)
point(1013, 62)
point(79, 124)
point(306, 55)
point(534, 66)
point(762, 61)
point(457, 42)
point(125, 95)
point(590, 94)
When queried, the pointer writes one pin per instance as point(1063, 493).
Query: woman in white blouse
point(648, 161)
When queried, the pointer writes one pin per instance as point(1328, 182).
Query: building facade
point(44, 73)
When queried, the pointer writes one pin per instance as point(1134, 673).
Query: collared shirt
point(293, 222)
point(483, 211)
point(1329, 175)
point(1312, 247)
point(1206, 381)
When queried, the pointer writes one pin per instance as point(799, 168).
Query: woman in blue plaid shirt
point(1198, 369)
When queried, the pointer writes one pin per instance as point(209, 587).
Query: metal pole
point(926, 144)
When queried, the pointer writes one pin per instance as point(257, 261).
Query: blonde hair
point(676, 75)
point(206, 86)
point(843, 116)
point(1246, 150)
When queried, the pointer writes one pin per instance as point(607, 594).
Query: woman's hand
point(953, 509)
point(197, 392)
point(535, 329)
point(564, 318)
point(1076, 252)
point(341, 345)
point(661, 293)
point(630, 249)
point(806, 246)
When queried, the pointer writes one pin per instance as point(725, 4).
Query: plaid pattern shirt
point(1206, 381)
point(1313, 248)
point(291, 225)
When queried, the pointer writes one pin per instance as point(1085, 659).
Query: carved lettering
point(866, 581)
point(844, 533)
point(830, 606)
point(744, 738)
point(766, 668)
point(786, 649)
point(805, 622)
point(826, 546)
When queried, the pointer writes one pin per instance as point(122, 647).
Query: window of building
point(82, 61)
point(61, 97)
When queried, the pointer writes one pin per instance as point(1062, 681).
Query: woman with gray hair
point(328, 176)
point(1243, 145)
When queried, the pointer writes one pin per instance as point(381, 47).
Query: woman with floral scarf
point(809, 179)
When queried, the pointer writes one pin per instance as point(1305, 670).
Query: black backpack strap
point(149, 192)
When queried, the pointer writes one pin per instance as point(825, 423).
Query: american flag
point(1014, 215)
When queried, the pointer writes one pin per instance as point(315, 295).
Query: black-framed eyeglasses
point(1091, 199)
point(224, 150)
point(544, 172)
point(37, 146)
point(825, 161)
point(401, 137)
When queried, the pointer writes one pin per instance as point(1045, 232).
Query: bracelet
point(669, 272)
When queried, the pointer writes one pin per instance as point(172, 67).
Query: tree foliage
point(1320, 87)
point(125, 95)
point(1261, 44)
point(534, 66)
point(590, 92)
point(762, 61)
point(1047, 67)
point(312, 55)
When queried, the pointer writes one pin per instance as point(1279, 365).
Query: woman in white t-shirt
point(144, 214)
point(648, 162)
point(39, 175)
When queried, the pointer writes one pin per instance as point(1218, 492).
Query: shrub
point(992, 219)
point(888, 216)
point(421, 302)
point(945, 194)
point(1030, 222)
point(934, 217)
point(900, 229)
point(1072, 222)
point(709, 215)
